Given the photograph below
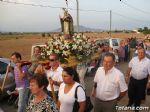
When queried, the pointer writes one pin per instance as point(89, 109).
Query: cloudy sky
point(126, 14)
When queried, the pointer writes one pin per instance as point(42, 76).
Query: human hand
point(51, 81)
point(18, 65)
point(39, 69)
point(93, 93)
point(8, 67)
point(127, 79)
point(148, 85)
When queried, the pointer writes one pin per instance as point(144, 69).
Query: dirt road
point(89, 84)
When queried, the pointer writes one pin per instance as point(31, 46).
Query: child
point(116, 56)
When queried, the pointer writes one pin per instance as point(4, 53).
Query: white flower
point(61, 47)
point(80, 48)
point(78, 36)
point(79, 44)
point(74, 46)
point(66, 53)
point(49, 52)
point(66, 45)
point(57, 51)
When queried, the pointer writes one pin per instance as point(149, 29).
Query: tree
point(140, 30)
point(43, 35)
point(145, 28)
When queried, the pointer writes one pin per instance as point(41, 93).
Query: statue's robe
point(67, 24)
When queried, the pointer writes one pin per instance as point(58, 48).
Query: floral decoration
point(79, 46)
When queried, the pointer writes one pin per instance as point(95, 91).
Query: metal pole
point(110, 24)
point(77, 15)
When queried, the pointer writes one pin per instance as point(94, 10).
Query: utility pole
point(110, 23)
point(77, 15)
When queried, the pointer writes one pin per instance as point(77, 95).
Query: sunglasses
point(51, 59)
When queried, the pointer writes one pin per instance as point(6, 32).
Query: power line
point(29, 4)
point(40, 5)
point(94, 10)
point(129, 18)
point(84, 10)
point(135, 8)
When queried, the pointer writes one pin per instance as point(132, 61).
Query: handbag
point(89, 105)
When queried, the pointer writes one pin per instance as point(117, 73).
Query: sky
point(126, 14)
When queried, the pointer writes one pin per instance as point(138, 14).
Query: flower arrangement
point(79, 46)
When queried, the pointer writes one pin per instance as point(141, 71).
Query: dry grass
point(23, 42)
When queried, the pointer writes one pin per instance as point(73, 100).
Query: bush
point(48, 34)
point(146, 32)
point(43, 35)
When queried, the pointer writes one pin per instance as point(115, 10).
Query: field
point(23, 42)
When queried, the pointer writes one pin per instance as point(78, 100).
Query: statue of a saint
point(66, 23)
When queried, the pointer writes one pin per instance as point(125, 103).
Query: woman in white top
point(67, 91)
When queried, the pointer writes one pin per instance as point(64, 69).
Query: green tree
point(43, 35)
point(145, 28)
point(140, 29)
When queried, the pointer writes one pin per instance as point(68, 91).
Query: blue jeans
point(23, 99)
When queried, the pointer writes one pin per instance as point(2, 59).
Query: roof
point(6, 60)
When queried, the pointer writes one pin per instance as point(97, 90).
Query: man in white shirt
point(138, 71)
point(147, 51)
point(54, 74)
point(109, 86)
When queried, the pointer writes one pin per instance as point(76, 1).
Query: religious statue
point(66, 24)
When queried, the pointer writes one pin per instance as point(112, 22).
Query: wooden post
point(6, 75)
point(53, 93)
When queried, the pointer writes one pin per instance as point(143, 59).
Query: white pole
point(110, 23)
point(77, 15)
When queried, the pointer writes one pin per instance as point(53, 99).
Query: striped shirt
point(21, 83)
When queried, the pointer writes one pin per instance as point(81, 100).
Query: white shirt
point(67, 99)
point(56, 76)
point(116, 58)
point(140, 68)
point(109, 85)
point(148, 52)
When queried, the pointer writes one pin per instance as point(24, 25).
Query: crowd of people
point(121, 53)
point(52, 89)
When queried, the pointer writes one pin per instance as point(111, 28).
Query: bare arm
point(148, 82)
point(127, 74)
point(58, 104)
point(93, 94)
point(122, 94)
point(82, 106)
point(53, 82)
point(9, 69)
point(57, 83)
